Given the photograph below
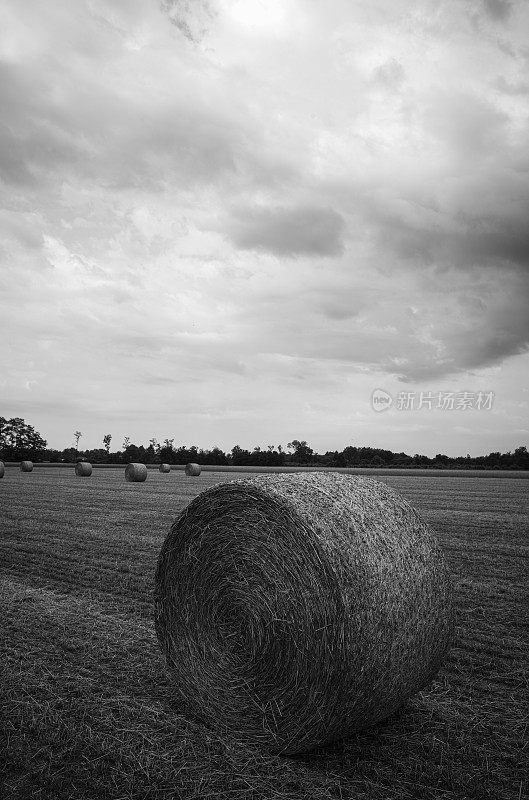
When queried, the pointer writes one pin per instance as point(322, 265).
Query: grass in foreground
point(86, 708)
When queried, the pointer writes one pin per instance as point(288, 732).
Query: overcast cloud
point(230, 221)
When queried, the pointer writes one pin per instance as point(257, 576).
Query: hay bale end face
point(136, 473)
point(294, 610)
point(83, 469)
point(165, 468)
point(2, 469)
point(193, 470)
point(26, 466)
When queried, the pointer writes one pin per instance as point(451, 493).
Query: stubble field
point(85, 704)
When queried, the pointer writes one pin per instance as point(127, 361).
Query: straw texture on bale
point(193, 469)
point(83, 469)
point(136, 472)
point(26, 466)
point(2, 469)
point(165, 468)
point(294, 610)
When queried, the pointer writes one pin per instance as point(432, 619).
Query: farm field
point(85, 704)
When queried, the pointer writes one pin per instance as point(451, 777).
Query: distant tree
point(521, 458)
point(168, 455)
point(126, 442)
point(107, 438)
point(302, 452)
point(213, 456)
point(70, 454)
point(52, 455)
point(349, 457)
point(402, 459)
point(19, 440)
point(240, 457)
point(134, 453)
point(152, 452)
point(96, 456)
point(77, 435)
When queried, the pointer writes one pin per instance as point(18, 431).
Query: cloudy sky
point(230, 221)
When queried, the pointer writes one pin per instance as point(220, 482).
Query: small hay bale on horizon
point(83, 469)
point(26, 466)
point(193, 470)
point(297, 609)
point(2, 469)
point(165, 468)
point(136, 473)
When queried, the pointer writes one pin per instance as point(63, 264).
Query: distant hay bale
point(294, 610)
point(165, 468)
point(26, 466)
point(2, 469)
point(193, 469)
point(136, 472)
point(83, 469)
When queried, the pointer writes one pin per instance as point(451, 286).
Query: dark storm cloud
point(302, 230)
point(465, 123)
point(110, 139)
point(462, 240)
point(390, 74)
point(512, 88)
point(498, 9)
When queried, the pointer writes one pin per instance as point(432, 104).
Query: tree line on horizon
point(19, 441)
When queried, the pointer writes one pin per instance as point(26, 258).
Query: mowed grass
point(85, 704)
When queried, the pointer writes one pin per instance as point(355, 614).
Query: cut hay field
point(85, 704)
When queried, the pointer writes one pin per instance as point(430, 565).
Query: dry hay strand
point(165, 468)
point(296, 609)
point(26, 466)
point(83, 469)
point(193, 470)
point(2, 469)
point(136, 473)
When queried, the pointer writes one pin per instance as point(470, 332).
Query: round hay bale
point(26, 466)
point(2, 469)
point(296, 609)
point(136, 473)
point(193, 470)
point(165, 468)
point(83, 469)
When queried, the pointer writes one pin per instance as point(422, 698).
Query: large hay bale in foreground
point(296, 609)
point(165, 468)
point(136, 473)
point(2, 469)
point(193, 470)
point(26, 466)
point(83, 469)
